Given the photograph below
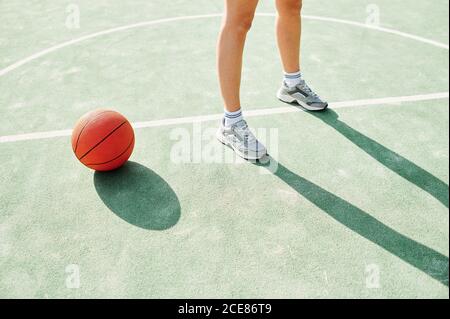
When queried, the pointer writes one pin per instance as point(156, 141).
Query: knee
point(290, 7)
point(240, 24)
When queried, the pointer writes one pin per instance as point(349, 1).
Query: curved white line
point(381, 29)
point(398, 100)
point(206, 16)
point(95, 35)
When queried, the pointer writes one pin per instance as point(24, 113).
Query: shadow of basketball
point(139, 196)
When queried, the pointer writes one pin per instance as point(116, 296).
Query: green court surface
point(356, 208)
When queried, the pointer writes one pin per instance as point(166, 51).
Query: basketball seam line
point(128, 147)
point(112, 132)
point(81, 132)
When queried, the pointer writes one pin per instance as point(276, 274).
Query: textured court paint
point(69, 43)
point(274, 243)
point(267, 240)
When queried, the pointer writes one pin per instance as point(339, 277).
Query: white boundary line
point(37, 55)
point(251, 113)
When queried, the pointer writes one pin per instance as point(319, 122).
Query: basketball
point(103, 140)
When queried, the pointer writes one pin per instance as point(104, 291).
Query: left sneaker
point(303, 95)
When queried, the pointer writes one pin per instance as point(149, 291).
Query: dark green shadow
point(431, 262)
point(395, 162)
point(139, 196)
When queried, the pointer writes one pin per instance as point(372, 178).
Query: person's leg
point(289, 27)
point(237, 22)
point(234, 130)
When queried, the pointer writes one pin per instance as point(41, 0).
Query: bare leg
point(288, 27)
point(236, 24)
point(294, 88)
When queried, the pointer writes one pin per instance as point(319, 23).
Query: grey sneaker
point(303, 95)
point(241, 140)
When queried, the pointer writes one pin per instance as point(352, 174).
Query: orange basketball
point(103, 140)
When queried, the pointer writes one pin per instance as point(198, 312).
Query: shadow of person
point(139, 196)
point(431, 262)
point(395, 162)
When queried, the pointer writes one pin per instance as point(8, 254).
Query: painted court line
point(251, 113)
point(42, 53)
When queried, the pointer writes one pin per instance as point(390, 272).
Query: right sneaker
point(303, 95)
point(241, 140)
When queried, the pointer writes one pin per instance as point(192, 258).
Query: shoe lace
point(304, 87)
point(244, 131)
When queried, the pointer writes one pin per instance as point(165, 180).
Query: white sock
point(292, 79)
point(232, 118)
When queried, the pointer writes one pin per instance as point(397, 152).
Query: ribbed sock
point(292, 79)
point(232, 118)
